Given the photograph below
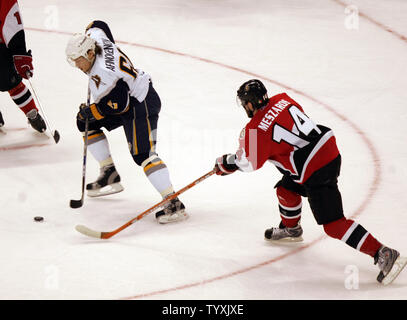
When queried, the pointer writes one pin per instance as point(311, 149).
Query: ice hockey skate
point(173, 212)
point(36, 121)
point(107, 183)
point(284, 234)
point(390, 264)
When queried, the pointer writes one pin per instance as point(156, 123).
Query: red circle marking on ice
point(358, 211)
point(366, 140)
point(375, 22)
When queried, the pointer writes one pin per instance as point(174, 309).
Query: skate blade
point(286, 240)
point(110, 189)
point(398, 266)
point(176, 217)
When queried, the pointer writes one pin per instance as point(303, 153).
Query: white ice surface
point(219, 253)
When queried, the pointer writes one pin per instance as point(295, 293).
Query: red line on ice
point(19, 147)
point(22, 147)
point(375, 157)
point(16, 129)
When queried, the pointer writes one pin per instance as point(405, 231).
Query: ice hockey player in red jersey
point(307, 156)
point(16, 63)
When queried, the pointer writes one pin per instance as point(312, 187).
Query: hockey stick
point(74, 204)
point(106, 235)
point(54, 133)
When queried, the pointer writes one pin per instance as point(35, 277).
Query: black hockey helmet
point(252, 91)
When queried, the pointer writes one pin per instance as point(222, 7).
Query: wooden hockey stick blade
point(106, 235)
point(74, 204)
point(88, 232)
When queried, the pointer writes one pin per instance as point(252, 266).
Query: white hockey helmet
point(78, 46)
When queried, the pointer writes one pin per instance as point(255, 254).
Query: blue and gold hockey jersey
point(113, 80)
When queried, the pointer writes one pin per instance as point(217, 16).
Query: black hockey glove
point(85, 112)
point(90, 112)
point(226, 165)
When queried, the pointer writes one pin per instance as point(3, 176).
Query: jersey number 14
point(303, 125)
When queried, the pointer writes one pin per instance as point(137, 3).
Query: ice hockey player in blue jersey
point(122, 96)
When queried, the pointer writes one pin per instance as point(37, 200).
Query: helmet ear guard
point(252, 91)
point(79, 46)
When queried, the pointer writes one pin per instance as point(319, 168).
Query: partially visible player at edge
point(122, 96)
point(16, 63)
point(307, 156)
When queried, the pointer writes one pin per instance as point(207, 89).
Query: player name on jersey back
point(109, 54)
point(111, 66)
point(272, 114)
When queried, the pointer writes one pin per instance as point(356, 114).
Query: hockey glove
point(225, 165)
point(24, 65)
point(88, 112)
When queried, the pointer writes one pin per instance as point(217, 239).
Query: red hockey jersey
point(10, 20)
point(282, 133)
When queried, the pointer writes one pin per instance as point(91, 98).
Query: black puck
point(39, 219)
